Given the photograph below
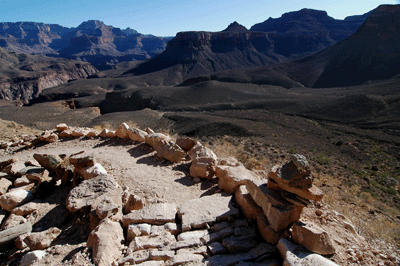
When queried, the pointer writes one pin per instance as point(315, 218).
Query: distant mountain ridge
point(91, 41)
point(307, 31)
point(371, 53)
point(193, 54)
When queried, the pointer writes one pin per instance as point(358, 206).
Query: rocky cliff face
point(307, 31)
point(24, 77)
point(200, 53)
point(92, 41)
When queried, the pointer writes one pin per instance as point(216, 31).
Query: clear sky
point(166, 18)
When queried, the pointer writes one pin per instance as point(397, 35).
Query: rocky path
point(149, 202)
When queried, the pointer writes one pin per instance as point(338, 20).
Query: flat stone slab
point(158, 240)
point(88, 191)
point(197, 213)
point(156, 214)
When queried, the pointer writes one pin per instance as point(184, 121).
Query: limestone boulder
point(197, 213)
point(42, 240)
point(248, 206)
point(122, 131)
point(106, 208)
point(67, 133)
point(170, 151)
point(21, 181)
point(293, 255)
point(13, 168)
point(313, 237)
point(199, 151)
point(82, 159)
point(48, 161)
point(14, 198)
point(88, 191)
point(266, 231)
point(186, 143)
point(13, 220)
point(32, 257)
point(105, 242)
point(136, 134)
point(110, 134)
point(61, 127)
point(48, 136)
point(203, 168)
point(132, 202)
point(78, 132)
point(279, 212)
point(26, 208)
point(156, 214)
point(231, 177)
point(93, 133)
point(5, 184)
point(155, 139)
point(89, 172)
point(104, 133)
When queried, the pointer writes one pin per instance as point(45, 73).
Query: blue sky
point(166, 18)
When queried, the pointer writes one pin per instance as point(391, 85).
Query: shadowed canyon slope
point(23, 77)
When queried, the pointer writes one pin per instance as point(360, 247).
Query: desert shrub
point(323, 159)
point(359, 172)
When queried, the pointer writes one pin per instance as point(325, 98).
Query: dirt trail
point(133, 165)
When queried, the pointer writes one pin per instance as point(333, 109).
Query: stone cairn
point(204, 231)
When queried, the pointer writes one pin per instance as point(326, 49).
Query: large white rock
point(105, 242)
point(32, 257)
point(122, 131)
point(200, 151)
point(136, 134)
point(15, 198)
point(90, 172)
point(293, 255)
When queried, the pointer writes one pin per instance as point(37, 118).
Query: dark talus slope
point(307, 31)
point(371, 53)
point(23, 77)
point(92, 41)
point(192, 54)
